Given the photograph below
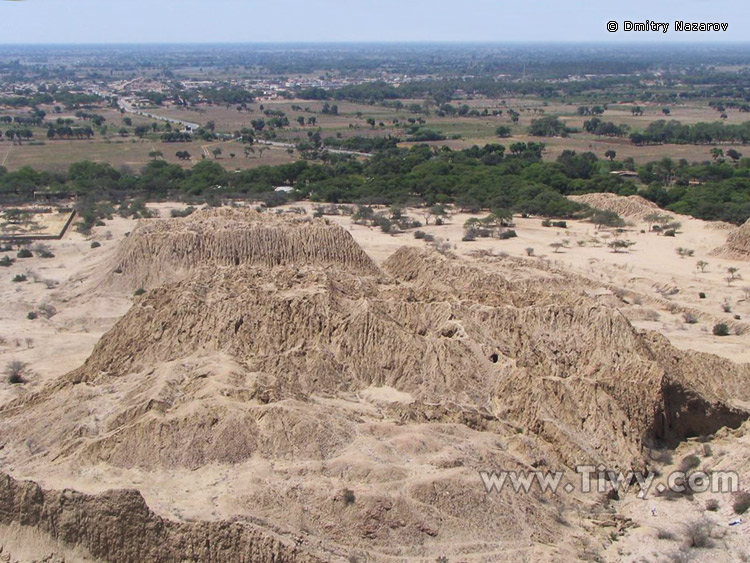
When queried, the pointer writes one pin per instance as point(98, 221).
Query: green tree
point(734, 155)
point(606, 218)
point(656, 218)
point(437, 211)
point(503, 131)
point(547, 126)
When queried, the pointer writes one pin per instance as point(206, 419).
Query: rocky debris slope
point(118, 527)
point(737, 246)
point(166, 250)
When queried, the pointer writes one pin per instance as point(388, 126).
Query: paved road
point(291, 146)
point(7, 154)
point(128, 108)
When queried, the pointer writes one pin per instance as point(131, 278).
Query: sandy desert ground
point(653, 286)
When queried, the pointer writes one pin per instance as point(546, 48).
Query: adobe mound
point(293, 333)
point(543, 358)
point(631, 207)
point(166, 250)
point(737, 246)
point(291, 367)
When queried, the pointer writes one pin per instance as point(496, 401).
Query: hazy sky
point(169, 21)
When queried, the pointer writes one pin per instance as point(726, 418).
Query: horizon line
point(601, 42)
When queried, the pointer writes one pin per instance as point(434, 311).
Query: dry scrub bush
point(712, 505)
point(741, 502)
point(698, 533)
point(15, 370)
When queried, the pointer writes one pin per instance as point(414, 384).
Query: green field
point(133, 153)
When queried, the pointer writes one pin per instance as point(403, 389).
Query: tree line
point(513, 178)
point(702, 133)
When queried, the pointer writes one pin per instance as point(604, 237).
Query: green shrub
point(32, 315)
point(721, 329)
point(384, 223)
point(6, 261)
point(363, 212)
point(139, 291)
point(187, 211)
point(702, 295)
point(95, 244)
point(24, 253)
point(406, 223)
point(19, 278)
point(507, 234)
point(274, 199)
